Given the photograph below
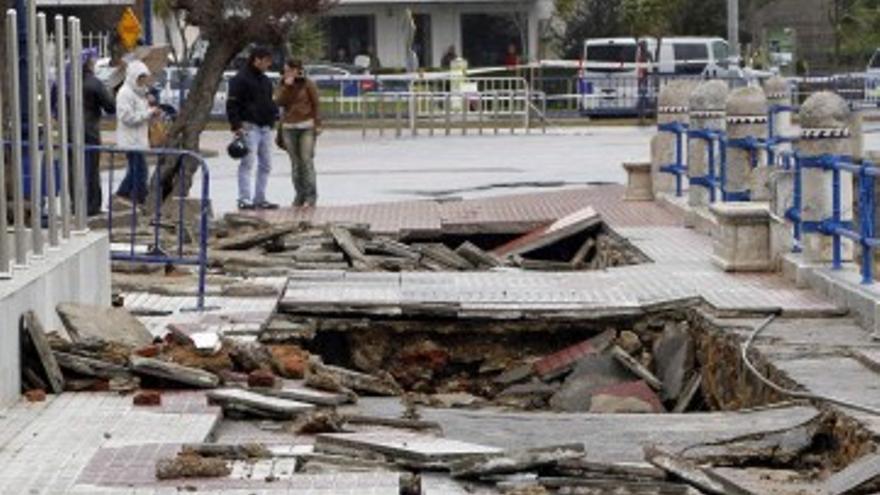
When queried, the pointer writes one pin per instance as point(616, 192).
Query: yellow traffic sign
point(129, 29)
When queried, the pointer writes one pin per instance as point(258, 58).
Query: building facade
point(482, 31)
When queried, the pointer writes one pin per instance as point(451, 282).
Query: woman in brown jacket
point(300, 126)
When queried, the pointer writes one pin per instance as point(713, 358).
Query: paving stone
point(589, 375)
point(108, 324)
point(405, 446)
point(629, 397)
point(269, 406)
point(562, 361)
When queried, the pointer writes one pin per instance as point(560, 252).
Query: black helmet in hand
point(238, 148)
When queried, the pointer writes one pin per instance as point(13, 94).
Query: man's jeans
point(259, 141)
point(300, 144)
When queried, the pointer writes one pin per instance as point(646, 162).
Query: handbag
point(279, 136)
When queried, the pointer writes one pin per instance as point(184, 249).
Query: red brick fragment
point(261, 378)
point(35, 395)
point(147, 398)
point(149, 351)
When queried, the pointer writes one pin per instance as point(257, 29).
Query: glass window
point(875, 60)
point(721, 53)
point(690, 58)
point(611, 54)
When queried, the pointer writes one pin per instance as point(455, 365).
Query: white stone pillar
point(825, 119)
point(672, 106)
point(747, 118)
point(779, 95)
point(707, 112)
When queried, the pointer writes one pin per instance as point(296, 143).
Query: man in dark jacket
point(97, 100)
point(252, 113)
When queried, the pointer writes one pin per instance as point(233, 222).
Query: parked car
point(613, 68)
point(872, 79)
point(339, 77)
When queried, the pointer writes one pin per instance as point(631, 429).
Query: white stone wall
point(77, 272)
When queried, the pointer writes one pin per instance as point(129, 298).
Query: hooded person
point(133, 114)
point(97, 101)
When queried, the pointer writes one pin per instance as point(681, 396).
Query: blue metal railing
point(834, 226)
point(678, 169)
point(155, 253)
point(713, 180)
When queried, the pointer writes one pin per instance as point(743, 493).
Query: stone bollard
point(748, 175)
point(707, 112)
point(639, 185)
point(825, 118)
point(779, 95)
point(672, 106)
point(742, 243)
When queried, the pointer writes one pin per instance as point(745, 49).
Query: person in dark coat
point(97, 101)
point(252, 113)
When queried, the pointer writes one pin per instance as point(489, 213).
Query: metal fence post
point(464, 113)
point(48, 133)
point(363, 120)
point(448, 111)
point(512, 102)
point(17, 158)
point(79, 182)
point(413, 112)
point(36, 169)
point(398, 123)
point(64, 152)
point(431, 100)
point(5, 261)
point(480, 109)
point(495, 111)
point(380, 110)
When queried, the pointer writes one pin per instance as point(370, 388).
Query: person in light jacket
point(133, 114)
point(300, 126)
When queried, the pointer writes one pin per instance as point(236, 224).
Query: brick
point(635, 390)
point(147, 398)
point(261, 378)
point(36, 395)
point(149, 351)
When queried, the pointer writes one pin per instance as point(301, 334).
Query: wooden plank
point(684, 470)
point(688, 393)
point(248, 240)
point(90, 367)
point(445, 256)
point(348, 245)
point(477, 256)
point(636, 368)
point(515, 462)
point(32, 330)
point(581, 255)
point(565, 227)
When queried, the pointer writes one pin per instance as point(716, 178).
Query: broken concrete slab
point(778, 447)
point(559, 363)
point(304, 394)
point(191, 466)
point(267, 406)
point(583, 468)
point(86, 366)
point(174, 372)
point(591, 373)
point(615, 486)
point(567, 226)
point(353, 380)
point(36, 350)
point(514, 375)
point(625, 398)
point(109, 324)
point(404, 446)
point(401, 424)
point(674, 358)
point(515, 462)
point(862, 476)
point(636, 367)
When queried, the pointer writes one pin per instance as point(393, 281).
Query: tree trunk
point(193, 118)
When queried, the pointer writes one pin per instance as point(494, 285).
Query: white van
point(611, 68)
point(872, 79)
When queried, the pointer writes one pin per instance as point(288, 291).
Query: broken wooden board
point(268, 405)
point(515, 462)
point(688, 393)
point(248, 240)
point(478, 257)
point(690, 473)
point(174, 372)
point(35, 335)
point(348, 245)
point(446, 257)
point(404, 446)
point(565, 227)
point(582, 468)
point(636, 367)
point(355, 380)
point(862, 475)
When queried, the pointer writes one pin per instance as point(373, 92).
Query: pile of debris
point(247, 245)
